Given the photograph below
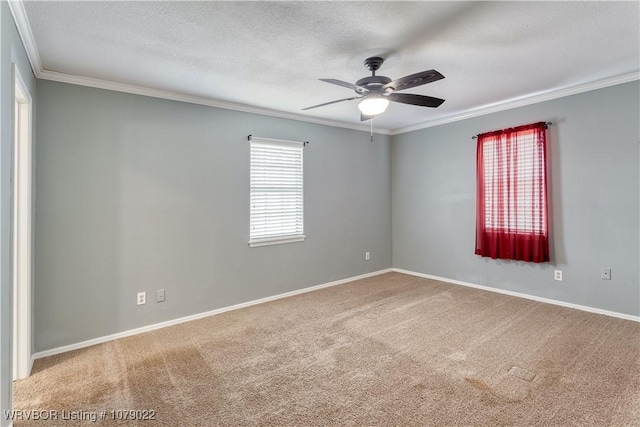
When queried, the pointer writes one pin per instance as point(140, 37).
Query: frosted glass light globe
point(373, 105)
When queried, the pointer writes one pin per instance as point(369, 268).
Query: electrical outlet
point(142, 298)
point(557, 275)
point(605, 273)
point(160, 295)
point(366, 256)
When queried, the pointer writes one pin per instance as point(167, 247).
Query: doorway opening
point(22, 224)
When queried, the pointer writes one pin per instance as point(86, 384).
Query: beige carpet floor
point(387, 350)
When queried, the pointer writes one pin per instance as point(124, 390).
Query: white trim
point(271, 141)
point(160, 325)
point(463, 115)
point(22, 225)
point(275, 241)
point(521, 295)
point(24, 29)
point(210, 102)
point(31, 360)
point(521, 101)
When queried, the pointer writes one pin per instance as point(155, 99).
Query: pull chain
point(371, 128)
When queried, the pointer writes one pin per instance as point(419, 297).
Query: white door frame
point(22, 226)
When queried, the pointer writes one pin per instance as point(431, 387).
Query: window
point(511, 204)
point(276, 214)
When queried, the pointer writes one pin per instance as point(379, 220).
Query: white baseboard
point(155, 326)
point(521, 295)
point(30, 367)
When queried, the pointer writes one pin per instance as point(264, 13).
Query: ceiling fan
point(376, 91)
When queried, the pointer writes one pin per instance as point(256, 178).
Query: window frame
point(512, 199)
point(293, 183)
point(512, 225)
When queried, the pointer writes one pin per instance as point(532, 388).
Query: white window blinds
point(514, 183)
point(277, 202)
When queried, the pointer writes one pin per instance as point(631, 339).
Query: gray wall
point(594, 189)
point(138, 194)
point(11, 52)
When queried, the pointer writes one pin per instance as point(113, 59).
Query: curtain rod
point(546, 124)
point(304, 143)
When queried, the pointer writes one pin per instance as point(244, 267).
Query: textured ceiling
point(271, 54)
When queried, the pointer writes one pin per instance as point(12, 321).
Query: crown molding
point(521, 101)
point(210, 102)
point(24, 30)
point(463, 115)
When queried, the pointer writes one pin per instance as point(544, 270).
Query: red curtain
point(511, 197)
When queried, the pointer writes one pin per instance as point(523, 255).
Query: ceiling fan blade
point(332, 102)
point(420, 100)
point(358, 89)
point(413, 80)
point(364, 117)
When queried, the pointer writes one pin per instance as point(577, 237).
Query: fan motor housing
point(373, 83)
point(382, 86)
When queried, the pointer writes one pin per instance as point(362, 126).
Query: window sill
point(516, 233)
point(276, 241)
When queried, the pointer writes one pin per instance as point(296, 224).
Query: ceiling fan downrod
point(379, 90)
point(373, 83)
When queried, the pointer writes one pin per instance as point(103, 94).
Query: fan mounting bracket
point(382, 86)
point(373, 63)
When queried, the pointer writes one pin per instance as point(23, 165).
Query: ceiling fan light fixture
point(373, 105)
point(375, 92)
